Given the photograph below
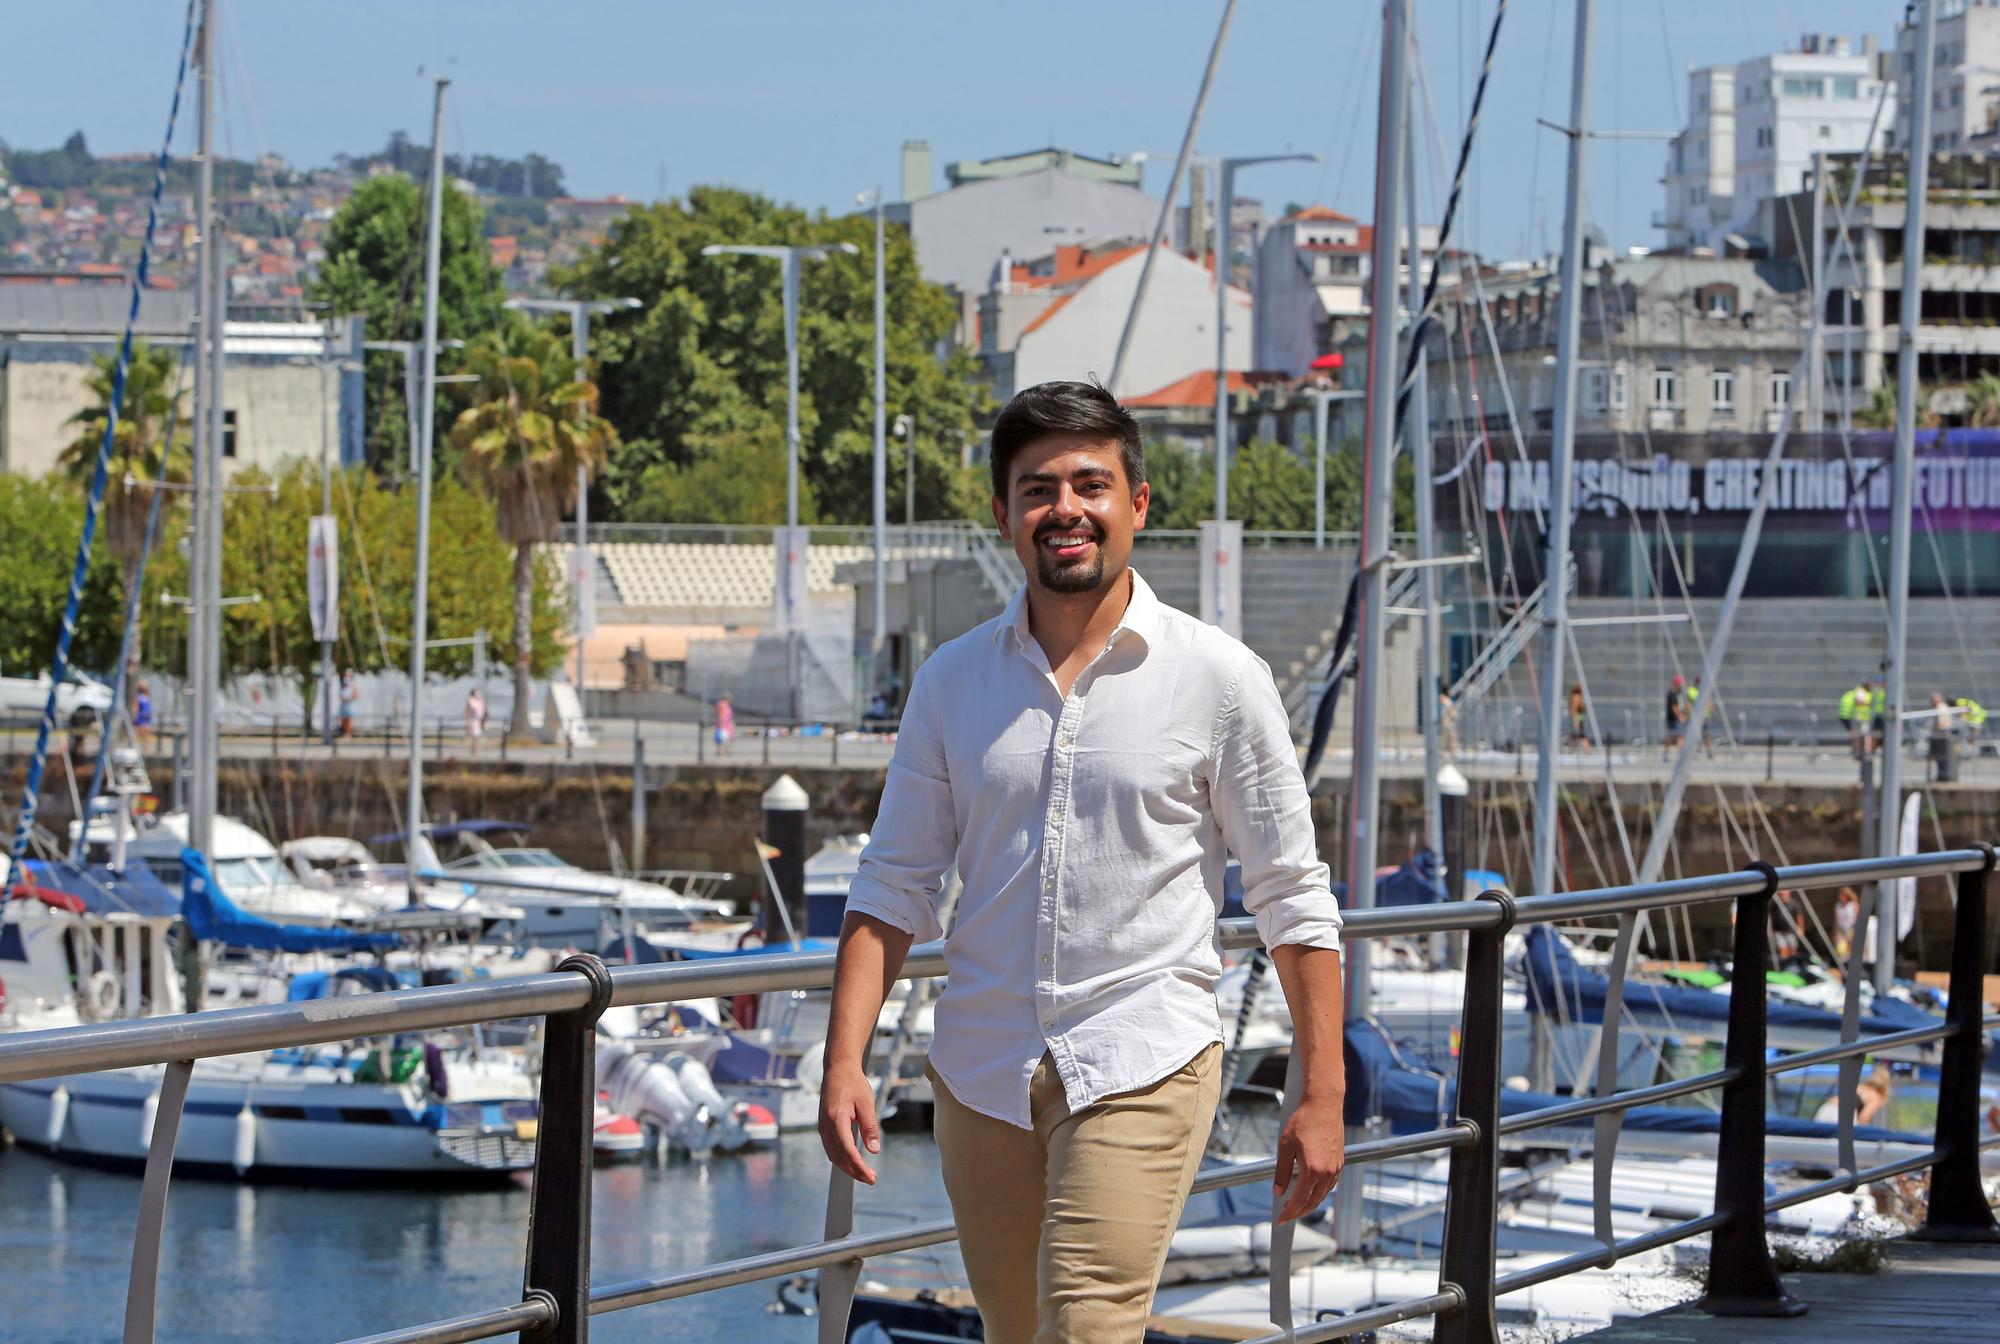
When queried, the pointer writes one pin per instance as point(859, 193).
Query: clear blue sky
point(810, 102)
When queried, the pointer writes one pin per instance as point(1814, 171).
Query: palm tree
point(1880, 413)
point(1982, 402)
point(150, 446)
point(531, 426)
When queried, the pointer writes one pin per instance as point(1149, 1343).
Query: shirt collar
point(1142, 616)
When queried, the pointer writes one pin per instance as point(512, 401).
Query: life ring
point(52, 897)
point(103, 996)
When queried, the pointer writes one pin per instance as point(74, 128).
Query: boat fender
point(58, 1115)
point(244, 1156)
point(811, 1071)
point(103, 996)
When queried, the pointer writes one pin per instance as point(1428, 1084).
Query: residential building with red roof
point(1312, 285)
point(1060, 317)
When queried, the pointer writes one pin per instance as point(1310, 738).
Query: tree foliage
point(42, 521)
point(375, 266)
point(695, 380)
point(531, 428)
point(264, 552)
point(150, 444)
point(1270, 488)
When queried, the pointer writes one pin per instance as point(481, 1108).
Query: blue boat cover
point(1557, 984)
point(217, 919)
point(136, 891)
point(1387, 1081)
point(453, 829)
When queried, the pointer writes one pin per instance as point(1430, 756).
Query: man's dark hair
point(1065, 408)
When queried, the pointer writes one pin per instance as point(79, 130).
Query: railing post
point(1958, 1209)
point(558, 1269)
point(143, 1289)
point(1472, 1191)
point(1741, 1278)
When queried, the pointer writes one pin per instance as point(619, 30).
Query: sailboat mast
point(203, 665)
point(1427, 582)
point(1377, 491)
point(1562, 448)
point(1889, 812)
point(1378, 476)
point(433, 247)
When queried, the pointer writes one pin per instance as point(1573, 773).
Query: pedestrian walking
point(1579, 726)
point(475, 719)
point(1447, 726)
point(350, 696)
point(1878, 704)
point(1677, 713)
point(1846, 919)
point(1971, 721)
point(725, 726)
point(142, 717)
point(1854, 717)
point(1088, 759)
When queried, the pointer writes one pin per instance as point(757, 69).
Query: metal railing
point(558, 1299)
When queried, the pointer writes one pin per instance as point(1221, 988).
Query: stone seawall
point(708, 816)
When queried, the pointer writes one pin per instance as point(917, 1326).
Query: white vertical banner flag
point(1222, 575)
point(323, 577)
point(788, 593)
point(583, 584)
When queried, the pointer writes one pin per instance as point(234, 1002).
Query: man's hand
point(847, 1102)
point(1311, 1152)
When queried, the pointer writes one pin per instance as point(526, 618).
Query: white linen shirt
point(1090, 831)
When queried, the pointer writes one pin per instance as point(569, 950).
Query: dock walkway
point(1928, 1293)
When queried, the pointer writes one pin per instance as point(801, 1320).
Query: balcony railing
point(559, 1300)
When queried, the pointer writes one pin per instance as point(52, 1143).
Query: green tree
point(699, 371)
point(1270, 488)
point(264, 552)
point(1982, 398)
point(42, 521)
point(150, 445)
point(375, 266)
point(532, 425)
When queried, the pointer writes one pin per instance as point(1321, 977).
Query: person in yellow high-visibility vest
point(1971, 721)
point(1855, 711)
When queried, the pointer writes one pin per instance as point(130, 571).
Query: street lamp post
point(1225, 193)
point(791, 256)
point(879, 477)
point(906, 430)
point(579, 311)
point(1322, 399)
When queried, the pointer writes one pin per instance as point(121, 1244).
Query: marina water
point(247, 1264)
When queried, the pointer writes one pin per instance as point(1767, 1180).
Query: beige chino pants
point(1064, 1227)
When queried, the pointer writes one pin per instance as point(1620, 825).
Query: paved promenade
point(1928, 1294)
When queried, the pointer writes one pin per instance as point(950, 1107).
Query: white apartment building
point(1965, 75)
point(1701, 163)
point(1793, 105)
point(1782, 110)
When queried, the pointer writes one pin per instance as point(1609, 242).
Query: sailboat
point(109, 929)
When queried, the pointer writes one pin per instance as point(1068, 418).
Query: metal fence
point(558, 1298)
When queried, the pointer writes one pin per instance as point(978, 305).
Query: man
point(1086, 758)
point(1677, 714)
point(1853, 701)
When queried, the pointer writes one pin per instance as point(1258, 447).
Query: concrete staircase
point(1291, 598)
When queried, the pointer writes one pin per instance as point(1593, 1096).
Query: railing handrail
point(558, 1300)
point(134, 1042)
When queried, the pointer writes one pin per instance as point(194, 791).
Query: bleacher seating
point(681, 576)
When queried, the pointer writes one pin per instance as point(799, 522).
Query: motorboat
point(564, 905)
point(434, 1107)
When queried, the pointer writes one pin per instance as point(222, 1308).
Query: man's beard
point(1072, 576)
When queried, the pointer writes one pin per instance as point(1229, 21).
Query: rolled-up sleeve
point(1260, 801)
point(915, 838)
